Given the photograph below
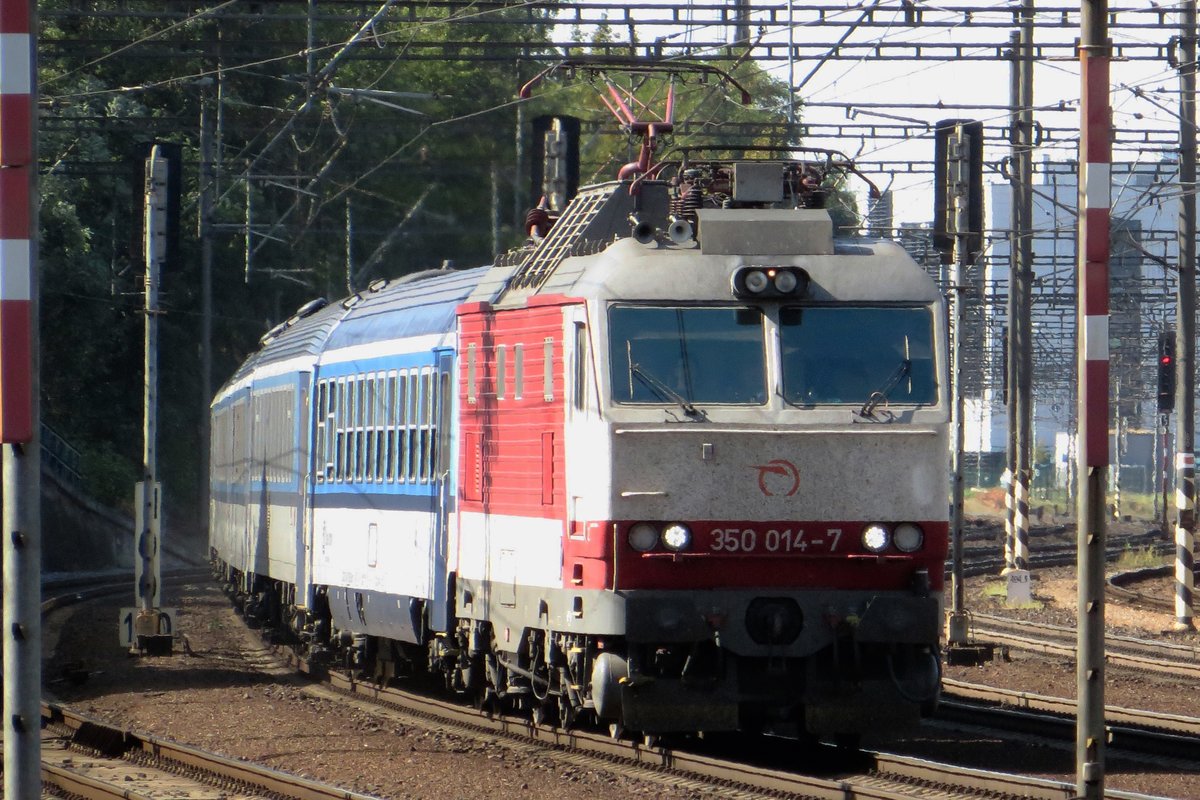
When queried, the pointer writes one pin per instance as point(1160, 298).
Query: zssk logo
point(778, 477)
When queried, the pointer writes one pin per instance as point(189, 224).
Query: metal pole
point(207, 189)
point(249, 227)
point(1185, 326)
point(1012, 359)
point(519, 165)
point(957, 632)
point(1023, 371)
point(495, 175)
point(1154, 472)
point(19, 409)
point(148, 570)
point(791, 71)
point(1165, 471)
point(1116, 459)
point(1095, 200)
point(349, 245)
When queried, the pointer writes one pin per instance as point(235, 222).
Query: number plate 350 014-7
point(770, 539)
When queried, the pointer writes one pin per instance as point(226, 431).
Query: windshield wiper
point(880, 395)
point(664, 391)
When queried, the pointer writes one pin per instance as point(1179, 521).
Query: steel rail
point(1118, 585)
point(165, 753)
point(893, 776)
point(74, 784)
point(1184, 651)
point(1158, 665)
point(1031, 701)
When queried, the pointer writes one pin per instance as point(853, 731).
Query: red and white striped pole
point(17, 165)
point(1095, 170)
point(20, 462)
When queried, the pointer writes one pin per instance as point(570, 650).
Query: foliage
point(336, 189)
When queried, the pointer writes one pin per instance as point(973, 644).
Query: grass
point(988, 501)
point(998, 590)
point(1139, 558)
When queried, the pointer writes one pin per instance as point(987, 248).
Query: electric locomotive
point(679, 464)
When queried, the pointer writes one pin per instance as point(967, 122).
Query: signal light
point(770, 282)
point(1166, 372)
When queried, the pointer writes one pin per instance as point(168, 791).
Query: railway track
point(766, 772)
point(1120, 586)
point(1131, 729)
point(983, 560)
point(82, 757)
point(1178, 659)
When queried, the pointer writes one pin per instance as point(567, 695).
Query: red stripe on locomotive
point(587, 554)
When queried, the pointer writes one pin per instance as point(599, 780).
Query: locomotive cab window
point(711, 355)
point(847, 354)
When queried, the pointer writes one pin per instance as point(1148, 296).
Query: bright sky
point(911, 83)
point(981, 83)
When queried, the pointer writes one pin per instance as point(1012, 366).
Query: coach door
point(443, 493)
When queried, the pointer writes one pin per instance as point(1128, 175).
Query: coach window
point(472, 392)
point(848, 354)
point(368, 456)
point(337, 397)
point(410, 426)
point(329, 454)
point(399, 439)
point(501, 370)
point(579, 376)
point(379, 434)
point(445, 407)
point(426, 419)
point(377, 450)
point(518, 371)
point(348, 423)
point(360, 417)
point(361, 432)
point(548, 369)
point(387, 456)
point(350, 416)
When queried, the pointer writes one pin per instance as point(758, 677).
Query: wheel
point(566, 712)
point(540, 713)
point(616, 730)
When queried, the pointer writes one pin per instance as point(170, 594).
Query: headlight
point(908, 537)
point(643, 536)
point(785, 281)
point(756, 281)
point(875, 538)
point(676, 537)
